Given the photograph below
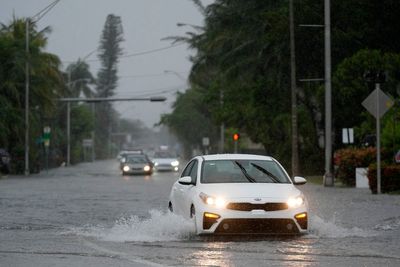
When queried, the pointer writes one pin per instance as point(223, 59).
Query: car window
point(242, 171)
point(163, 154)
point(193, 172)
point(186, 171)
point(136, 160)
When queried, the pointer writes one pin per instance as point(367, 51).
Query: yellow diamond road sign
point(385, 103)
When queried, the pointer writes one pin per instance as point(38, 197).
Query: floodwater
point(90, 215)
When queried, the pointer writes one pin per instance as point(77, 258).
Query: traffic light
point(236, 137)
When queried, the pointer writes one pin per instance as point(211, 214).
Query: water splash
point(160, 226)
point(165, 226)
point(389, 224)
point(330, 229)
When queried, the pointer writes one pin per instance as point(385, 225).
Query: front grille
point(257, 226)
point(245, 206)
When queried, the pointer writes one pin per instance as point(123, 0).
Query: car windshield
point(136, 160)
point(163, 154)
point(242, 171)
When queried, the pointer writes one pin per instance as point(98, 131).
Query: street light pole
point(68, 133)
point(176, 74)
point(27, 97)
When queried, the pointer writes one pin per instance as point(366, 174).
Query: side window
point(186, 171)
point(193, 172)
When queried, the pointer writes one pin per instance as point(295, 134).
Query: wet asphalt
point(91, 215)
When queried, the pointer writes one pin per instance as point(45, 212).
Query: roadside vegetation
point(241, 73)
point(48, 83)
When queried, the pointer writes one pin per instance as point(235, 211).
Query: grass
point(315, 179)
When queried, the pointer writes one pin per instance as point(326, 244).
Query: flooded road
point(91, 215)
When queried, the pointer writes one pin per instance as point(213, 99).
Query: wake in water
point(329, 229)
point(161, 226)
point(166, 226)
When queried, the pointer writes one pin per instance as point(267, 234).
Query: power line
point(142, 53)
point(44, 11)
point(151, 51)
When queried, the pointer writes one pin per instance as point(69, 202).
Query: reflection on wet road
point(91, 215)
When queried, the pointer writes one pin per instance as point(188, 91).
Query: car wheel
point(193, 216)
point(170, 207)
point(192, 212)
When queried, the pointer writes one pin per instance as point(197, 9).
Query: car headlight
point(175, 163)
point(125, 168)
point(295, 202)
point(155, 163)
point(217, 202)
point(146, 168)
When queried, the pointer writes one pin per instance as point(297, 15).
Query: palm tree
point(45, 83)
point(79, 79)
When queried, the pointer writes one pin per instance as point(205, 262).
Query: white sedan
point(238, 193)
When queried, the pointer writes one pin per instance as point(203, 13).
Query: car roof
point(133, 155)
point(235, 156)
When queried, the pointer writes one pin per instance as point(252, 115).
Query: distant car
point(123, 154)
point(137, 164)
point(165, 161)
point(4, 161)
point(237, 193)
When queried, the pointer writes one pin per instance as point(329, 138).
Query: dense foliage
point(46, 85)
point(242, 53)
point(347, 160)
point(390, 178)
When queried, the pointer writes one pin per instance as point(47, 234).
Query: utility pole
point(28, 22)
point(27, 98)
point(295, 150)
point(328, 176)
point(222, 127)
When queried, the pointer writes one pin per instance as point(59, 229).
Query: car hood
point(265, 191)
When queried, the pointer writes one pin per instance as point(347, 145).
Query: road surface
point(91, 215)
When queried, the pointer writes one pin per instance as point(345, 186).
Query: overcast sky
point(77, 26)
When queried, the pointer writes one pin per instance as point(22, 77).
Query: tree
point(107, 80)
point(79, 78)
point(243, 51)
point(352, 89)
point(189, 123)
point(46, 85)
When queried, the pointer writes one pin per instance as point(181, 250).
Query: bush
point(390, 178)
point(348, 159)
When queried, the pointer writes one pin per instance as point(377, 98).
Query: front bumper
point(137, 171)
point(251, 222)
point(166, 167)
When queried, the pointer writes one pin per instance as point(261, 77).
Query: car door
point(189, 191)
point(179, 189)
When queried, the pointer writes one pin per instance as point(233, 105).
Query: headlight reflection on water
point(213, 254)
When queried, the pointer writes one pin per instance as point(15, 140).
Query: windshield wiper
point(273, 177)
point(248, 177)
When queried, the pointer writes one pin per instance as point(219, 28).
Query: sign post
point(46, 141)
point(206, 143)
point(377, 103)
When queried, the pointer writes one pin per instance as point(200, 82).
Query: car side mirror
point(185, 180)
point(297, 180)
